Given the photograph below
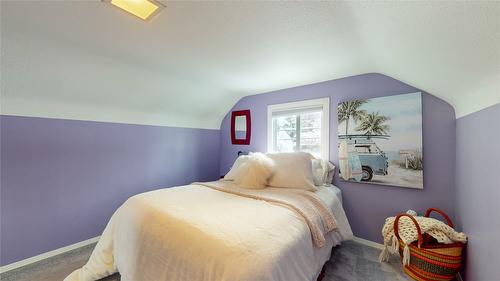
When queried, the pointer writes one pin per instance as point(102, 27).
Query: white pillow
point(292, 170)
point(323, 172)
point(320, 174)
point(331, 173)
point(254, 171)
point(235, 169)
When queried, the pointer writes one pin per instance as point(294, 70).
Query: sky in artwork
point(405, 113)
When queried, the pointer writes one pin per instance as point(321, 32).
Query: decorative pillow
point(292, 170)
point(254, 171)
point(236, 168)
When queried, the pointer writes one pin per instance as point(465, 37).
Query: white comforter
point(197, 233)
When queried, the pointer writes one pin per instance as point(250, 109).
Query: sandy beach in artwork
point(401, 177)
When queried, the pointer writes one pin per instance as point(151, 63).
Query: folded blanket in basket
point(408, 234)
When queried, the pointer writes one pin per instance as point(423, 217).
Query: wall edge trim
point(477, 111)
point(100, 120)
point(47, 255)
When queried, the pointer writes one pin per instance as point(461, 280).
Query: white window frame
point(324, 103)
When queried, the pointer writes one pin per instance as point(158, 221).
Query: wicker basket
point(430, 260)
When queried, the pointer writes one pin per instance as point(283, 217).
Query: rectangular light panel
point(143, 9)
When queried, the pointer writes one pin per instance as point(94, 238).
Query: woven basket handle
point(396, 227)
point(443, 214)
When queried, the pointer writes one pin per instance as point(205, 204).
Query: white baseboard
point(68, 248)
point(80, 244)
point(368, 243)
point(46, 255)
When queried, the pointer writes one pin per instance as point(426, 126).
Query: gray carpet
point(350, 261)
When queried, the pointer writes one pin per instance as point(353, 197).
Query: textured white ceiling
point(88, 60)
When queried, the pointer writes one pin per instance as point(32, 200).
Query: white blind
point(296, 111)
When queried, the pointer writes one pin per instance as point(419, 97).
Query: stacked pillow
point(292, 170)
point(287, 170)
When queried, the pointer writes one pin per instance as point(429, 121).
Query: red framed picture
point(241, 127)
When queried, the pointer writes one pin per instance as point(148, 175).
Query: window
point(299, 126)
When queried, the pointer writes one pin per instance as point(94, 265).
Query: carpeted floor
point(350, 261)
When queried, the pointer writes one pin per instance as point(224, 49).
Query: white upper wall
point(87, 60)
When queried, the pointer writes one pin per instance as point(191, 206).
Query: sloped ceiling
point(88, 60)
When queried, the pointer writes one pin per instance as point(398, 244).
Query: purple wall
point(367, 205)
point(478, 190)
point(61, 180)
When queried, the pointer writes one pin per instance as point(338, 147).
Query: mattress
point(197, 233)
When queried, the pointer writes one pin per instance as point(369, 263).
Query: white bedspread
point(197, 233)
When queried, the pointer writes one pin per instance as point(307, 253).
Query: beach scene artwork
point(380, 140)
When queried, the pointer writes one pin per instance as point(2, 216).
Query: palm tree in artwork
point(374, 124)
point(350, 109)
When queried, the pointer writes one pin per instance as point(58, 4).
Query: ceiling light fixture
point(143, 9)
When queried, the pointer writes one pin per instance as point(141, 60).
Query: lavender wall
point(61, 180)
point(366, 205)
point(478, 190)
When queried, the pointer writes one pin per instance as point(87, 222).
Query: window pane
point(285, 133)
point(310, 132)
point(299, 126)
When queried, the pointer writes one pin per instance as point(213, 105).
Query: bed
point(195, 232)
